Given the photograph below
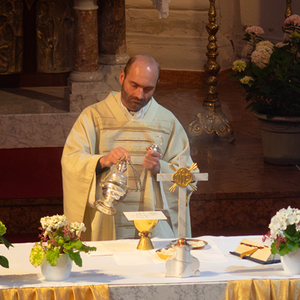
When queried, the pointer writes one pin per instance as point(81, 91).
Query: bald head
point(145, 60)
point(139, 79)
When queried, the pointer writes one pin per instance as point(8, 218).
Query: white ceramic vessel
point(291, 262)
point(57, 273)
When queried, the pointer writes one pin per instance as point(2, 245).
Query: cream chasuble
point(100, 128)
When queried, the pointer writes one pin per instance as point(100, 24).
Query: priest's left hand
point(151, 161)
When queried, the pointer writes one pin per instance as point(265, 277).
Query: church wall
point(179, 41)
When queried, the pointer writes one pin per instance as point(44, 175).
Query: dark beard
point(127, 98)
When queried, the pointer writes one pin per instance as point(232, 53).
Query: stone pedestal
point(85, 93)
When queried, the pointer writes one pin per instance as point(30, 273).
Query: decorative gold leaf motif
point(194, 188)
point(193, 167)
point(173, 187)
point(172, 168)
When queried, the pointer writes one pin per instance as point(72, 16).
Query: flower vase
point(280, 139)
point(59, 272)
point(291, 262)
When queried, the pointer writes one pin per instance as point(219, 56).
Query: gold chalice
point(145, 227)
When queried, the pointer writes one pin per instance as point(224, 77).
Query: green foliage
point(52, 256)
point(5, 242)
point(2, 229)
point(75, 256)
point(37, 255)
point(291, 243)
point(3, 260)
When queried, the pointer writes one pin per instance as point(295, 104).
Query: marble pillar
point(85, 77)
point(112, 32)
point(112, 44)
point(86, 39)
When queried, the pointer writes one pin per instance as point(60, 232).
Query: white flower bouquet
point(270, 73)
point(284, 233)
point(59, 237)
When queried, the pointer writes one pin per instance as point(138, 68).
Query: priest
point(125, 124)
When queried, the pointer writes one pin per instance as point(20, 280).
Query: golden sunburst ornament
point(182, 177)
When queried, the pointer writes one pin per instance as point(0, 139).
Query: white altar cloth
point(119, 264)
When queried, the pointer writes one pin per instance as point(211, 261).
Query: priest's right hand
point(113, 157)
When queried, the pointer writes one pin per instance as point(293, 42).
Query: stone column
point(86, 72)
point(112, 32)
point(112, 43)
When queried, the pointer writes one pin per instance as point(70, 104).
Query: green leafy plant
point(59, 237)
point(284, 231)
point(3, 260)
point(270, 75)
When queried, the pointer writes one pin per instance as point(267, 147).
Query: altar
point(128, 273)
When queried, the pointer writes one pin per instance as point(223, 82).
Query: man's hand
point(151, 161)
point(113, 157)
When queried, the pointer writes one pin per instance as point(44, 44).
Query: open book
point(256, 252)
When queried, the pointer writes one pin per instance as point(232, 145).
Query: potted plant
point(284, 235)
point(60, 244)
point(3, 260)
point(270, 77)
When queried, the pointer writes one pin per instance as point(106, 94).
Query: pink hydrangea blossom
point(254, 30)
point(292, 20)
point(261, 56)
